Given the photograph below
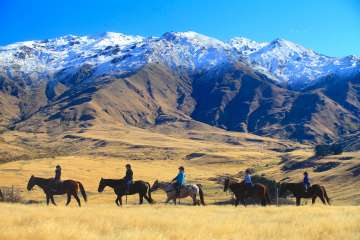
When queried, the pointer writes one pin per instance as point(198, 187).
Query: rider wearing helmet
point(179, 180)
point(128, 178)
point(306, 182)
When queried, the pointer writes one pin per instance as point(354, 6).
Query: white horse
point(187, 190)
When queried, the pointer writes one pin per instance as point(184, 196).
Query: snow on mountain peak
point(246, 46)
point(109, 52)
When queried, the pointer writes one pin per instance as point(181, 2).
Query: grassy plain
point(179, 222)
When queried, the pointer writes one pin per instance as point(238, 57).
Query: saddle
point(55, 185)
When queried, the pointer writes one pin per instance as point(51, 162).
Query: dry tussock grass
point(178, 222)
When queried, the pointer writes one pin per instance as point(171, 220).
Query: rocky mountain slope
point(275, 89)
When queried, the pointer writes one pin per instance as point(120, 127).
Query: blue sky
point(331, 27)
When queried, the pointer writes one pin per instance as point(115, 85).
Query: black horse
point(69, 187)
point(258, 191)
point(140, 187)
point(298, 190)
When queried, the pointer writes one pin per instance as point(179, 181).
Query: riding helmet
point(58, 167)
point(182, 168)
point(128, 165)
point(305, 173)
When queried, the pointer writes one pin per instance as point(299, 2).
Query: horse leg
point(52, 200)
point(47, 199)
point(263, 202)
point(117, 201)
point(77, 198)
point(68, 199)
point(120, 200)
point(237, 200)
point(313, 199)
point(322, 199)
point(194, 199)
point(141, 199)
point(298, 200)
point(243, 201)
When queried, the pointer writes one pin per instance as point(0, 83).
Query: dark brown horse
point(69, 187)
point(298, 190)
point(140, 187)
point(258, 191)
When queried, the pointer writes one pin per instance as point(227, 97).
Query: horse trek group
point(176, 189)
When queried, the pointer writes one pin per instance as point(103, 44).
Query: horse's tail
point(201, 193)
point(82, 190)
point(149, 192)
point(325, 195)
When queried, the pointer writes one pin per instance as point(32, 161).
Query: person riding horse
point(248, 181)
point(128, 178)
point(57, 179)
point(306, 182)
point(179, 180)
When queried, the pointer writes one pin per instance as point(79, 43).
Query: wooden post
point(277, 196)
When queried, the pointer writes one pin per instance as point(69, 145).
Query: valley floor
point(178, 222)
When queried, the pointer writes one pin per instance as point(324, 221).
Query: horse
point(298, 190)
point(69, 187)
point(119, 186)
point(258, 191)
point(187, 190)
point(1, 196)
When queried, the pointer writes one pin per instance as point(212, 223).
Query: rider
point(128, 178)
point(306, 182)
point(179, 180)
point(57, 178)
point(248, 181)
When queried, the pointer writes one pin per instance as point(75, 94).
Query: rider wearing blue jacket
point(179, 180)
point(306, 181)
point(248, 181)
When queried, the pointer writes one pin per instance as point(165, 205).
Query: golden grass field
point(88, 156)
point(179, 222)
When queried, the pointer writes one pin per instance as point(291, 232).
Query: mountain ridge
point(178, 78)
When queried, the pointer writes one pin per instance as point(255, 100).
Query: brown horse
point(69, 187)
point(1, 196)
point(298, 190)
point(258, 191)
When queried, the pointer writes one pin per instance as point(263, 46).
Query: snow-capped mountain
point(298, 66)
point(116, 53)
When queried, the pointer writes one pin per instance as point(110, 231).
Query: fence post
point(277, 196)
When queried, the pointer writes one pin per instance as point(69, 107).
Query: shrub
point(10, 194)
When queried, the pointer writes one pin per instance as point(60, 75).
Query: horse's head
point(101, 185)
point(155, 186)
point(31, 183)
point(226, 184)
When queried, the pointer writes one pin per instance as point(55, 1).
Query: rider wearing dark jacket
point(306, 182)
point(128, 178)
point(57, 173)
point(57, 179)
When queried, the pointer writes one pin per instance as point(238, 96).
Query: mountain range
point(276, 88)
